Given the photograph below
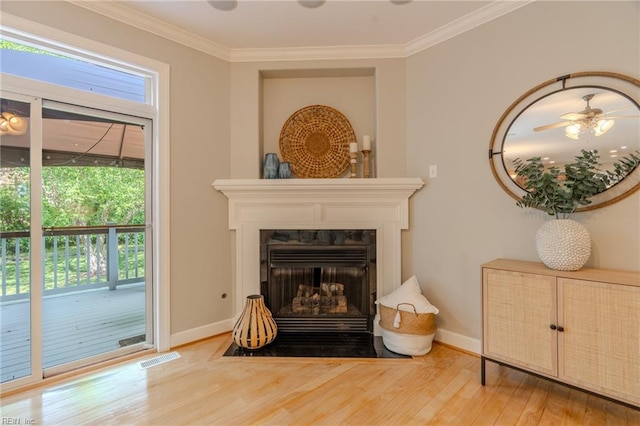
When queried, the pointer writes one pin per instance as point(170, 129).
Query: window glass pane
point(73, 139)
point(39, 64)
point(93, 216)
point(15, 244)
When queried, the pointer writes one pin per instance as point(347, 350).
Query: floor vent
point(159, 360)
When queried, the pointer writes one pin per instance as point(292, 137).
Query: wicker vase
point(255, 327)
point(563, 244)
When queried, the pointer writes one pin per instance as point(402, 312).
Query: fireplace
point(319, 280)
point(380, 204)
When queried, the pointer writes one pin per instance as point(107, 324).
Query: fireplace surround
point(380, 204)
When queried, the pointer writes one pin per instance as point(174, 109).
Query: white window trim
point(157, 110)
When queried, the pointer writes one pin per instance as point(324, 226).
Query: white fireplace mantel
point(255, 204)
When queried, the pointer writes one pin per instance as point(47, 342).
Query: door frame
point(158, 111)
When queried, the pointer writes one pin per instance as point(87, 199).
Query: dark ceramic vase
point(271, 166)
point(284, 171)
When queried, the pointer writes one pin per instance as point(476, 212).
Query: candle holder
point(366, 166)
point(354, 163)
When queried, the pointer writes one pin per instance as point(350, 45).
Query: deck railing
point(74, 258)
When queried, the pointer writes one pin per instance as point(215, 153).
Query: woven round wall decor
point(315, 140)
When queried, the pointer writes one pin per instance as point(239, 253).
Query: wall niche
point(352, 91)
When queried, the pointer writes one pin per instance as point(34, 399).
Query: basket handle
point(410, 304)
point(398, 318)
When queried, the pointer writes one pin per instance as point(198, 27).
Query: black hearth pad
point(320, 345)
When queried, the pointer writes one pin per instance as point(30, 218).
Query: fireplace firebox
point(319, 281)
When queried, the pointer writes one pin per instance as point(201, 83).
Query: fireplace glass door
point(320, 288)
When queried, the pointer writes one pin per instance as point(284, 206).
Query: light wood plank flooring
point(204, 388)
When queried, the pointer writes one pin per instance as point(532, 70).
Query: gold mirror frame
point(582, 82)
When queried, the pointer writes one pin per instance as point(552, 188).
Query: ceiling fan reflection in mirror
point(590, 119)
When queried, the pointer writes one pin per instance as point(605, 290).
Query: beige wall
point(436, 107)
point(456, 93)
point(200, 248)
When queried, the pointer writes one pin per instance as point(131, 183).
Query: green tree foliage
point(14, 199)
point(12, 45)
point(74, 196)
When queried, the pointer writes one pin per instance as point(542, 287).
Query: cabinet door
point(600, 346)
point(518, 309)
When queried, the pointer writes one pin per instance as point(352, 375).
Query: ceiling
point(284, 29)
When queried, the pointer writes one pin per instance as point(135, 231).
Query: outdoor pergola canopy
point(70, 139)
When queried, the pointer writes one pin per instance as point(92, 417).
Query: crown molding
point(119, 12)
point(318, 53)
point(481, 16)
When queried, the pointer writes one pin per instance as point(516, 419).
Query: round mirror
point(559, 118)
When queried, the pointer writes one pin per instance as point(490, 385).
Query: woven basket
point(410, 322)
point(255, 327)
point(315, 140)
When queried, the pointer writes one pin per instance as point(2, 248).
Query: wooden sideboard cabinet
point(580, 328)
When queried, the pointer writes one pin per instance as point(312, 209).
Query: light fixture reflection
point(573, 131)
point(603, 126)
point(11, 124)
point(598, 128)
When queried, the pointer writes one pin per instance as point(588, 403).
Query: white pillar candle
point(353, 147)
point(366, 143)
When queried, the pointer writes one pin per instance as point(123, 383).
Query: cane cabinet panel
point(600, 346)
point(581, 328)
point(518, 310)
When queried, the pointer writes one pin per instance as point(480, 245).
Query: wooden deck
point(75, 326)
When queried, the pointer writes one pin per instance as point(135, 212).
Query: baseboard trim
point(199, 333)
point(459, 341)
point(194, 334)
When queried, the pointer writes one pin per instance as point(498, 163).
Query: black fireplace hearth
point(320, 345)
point(320, 286)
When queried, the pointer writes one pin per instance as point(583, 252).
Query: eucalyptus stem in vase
point(560, 192)
point(565, 244)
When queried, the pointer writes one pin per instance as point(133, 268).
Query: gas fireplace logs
point(328, 299)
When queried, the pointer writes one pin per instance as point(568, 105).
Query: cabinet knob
point(560, 329)
point(552, 326)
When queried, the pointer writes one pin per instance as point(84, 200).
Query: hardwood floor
point(203, 387)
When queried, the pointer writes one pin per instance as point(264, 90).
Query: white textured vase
point(563, 244)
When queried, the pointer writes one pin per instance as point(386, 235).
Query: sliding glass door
point(76, 244)
point(97, 283)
